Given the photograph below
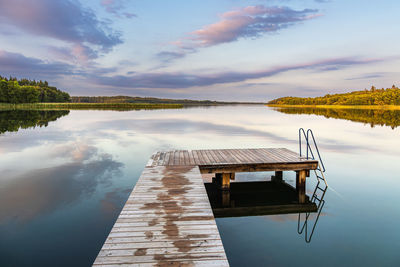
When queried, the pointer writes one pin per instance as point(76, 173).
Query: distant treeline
point(383, 117)
point(29, 91)
point(13, 120)
point(90, 106)
point(389, 96)
point(152, 100)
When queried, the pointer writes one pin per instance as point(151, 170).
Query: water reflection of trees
point(383, 117)
point(13, 120)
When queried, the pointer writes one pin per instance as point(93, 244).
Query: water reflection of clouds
point(184, 126)
point(45, 190)
point(16, 142)
point(77, 151)
point(113, 201)
point(174, 126)
point(291, 217)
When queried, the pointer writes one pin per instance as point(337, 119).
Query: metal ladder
point(322, 185)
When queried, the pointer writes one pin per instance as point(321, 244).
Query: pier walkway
point(168, 221)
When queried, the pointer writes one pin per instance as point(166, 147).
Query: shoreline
point(383, 107)
point(102, 106)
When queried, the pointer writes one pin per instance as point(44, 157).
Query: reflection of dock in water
point(256, 198)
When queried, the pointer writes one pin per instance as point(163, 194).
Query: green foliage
point(13, 120)
point(389, 96)
point(383, 117)
point(29, 91)
point(91, 106)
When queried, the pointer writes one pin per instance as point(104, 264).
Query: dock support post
point(278, 176)
point(226, 198)
point(224, 180)
point(301, 185)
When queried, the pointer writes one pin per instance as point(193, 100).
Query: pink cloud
point(250, 22)
point(246, 22)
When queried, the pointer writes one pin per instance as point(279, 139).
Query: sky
point(210, 49)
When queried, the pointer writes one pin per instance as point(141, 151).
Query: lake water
point(62, 185)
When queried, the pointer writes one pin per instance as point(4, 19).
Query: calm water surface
point(62, 186)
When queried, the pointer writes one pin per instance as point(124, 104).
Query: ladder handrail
point(307, 134)
point(302, 131)
point(309, 131)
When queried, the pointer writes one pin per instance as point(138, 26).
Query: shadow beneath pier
point(256, 198)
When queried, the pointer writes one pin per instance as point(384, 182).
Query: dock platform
point(168, 220)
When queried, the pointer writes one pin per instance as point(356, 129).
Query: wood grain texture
point(238, 160)
point(167, 220)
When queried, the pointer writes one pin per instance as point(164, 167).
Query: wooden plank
point(229, 156)
point(155, 251)
point(156, 259)
point(212, 157)
point(206, 158)
point(196, 158)
point(137, 243)
point(218, 157)
point(121, 224)
point(171, 158)
point(194, 263)
point(153, 239)
point(156, 158)
point(150, 162)
point(176, 157)
point(161, 159)
point(166, 158)
point(263, 157)
point(245, 155)
point(181, 158)
point(281, 154)
point(241, 156)
point(191, 159)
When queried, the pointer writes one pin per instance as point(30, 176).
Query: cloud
point(18, 64)
point(247, 22)
point(113, 202)
point(168, 56)
point(62, 20)
point(115, 7)
point(368, 76)
point(180, 80)
point(250, 22)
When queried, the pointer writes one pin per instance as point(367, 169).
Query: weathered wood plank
point(194, 263)
point(136, 243)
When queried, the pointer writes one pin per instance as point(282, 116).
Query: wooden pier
point(168, 221)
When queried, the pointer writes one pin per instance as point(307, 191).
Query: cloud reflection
point(45, 190)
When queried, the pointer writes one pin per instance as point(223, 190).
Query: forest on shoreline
point(150, 100)
point(372, 97)
point(13, 121)
point(16, 91)
point(373, 117)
